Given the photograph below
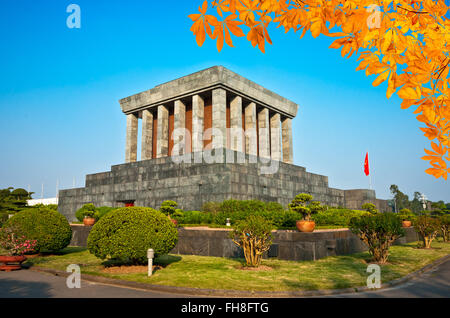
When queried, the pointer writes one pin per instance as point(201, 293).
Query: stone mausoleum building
point(209, 136)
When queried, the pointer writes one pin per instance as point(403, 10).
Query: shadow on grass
point(163, 261)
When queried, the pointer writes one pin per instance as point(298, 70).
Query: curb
point(236, 293)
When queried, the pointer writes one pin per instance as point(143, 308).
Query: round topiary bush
point(126, 234)
point(48, 227)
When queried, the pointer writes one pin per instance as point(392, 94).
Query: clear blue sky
point(59, 91)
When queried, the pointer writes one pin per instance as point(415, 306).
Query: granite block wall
point(214, 178)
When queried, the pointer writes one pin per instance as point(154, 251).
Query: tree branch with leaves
point(401, 42)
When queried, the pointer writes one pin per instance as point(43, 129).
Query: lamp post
point(423, 198)
point(150, 255)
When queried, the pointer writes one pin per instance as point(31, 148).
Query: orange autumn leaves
point(402, 43)
point(203, 24)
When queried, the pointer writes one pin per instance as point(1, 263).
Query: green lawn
point(222, 273)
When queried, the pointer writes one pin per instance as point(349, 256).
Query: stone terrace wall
point(150, 182)
point(287, 245)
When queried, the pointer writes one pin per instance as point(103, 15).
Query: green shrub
point(102, 211)
point(428, 228)
point(211, 207)
point(406, 215)
point(48, 227)
point(169, 207)
point(3, 217)
point(378, 232)
point(237, 210)
point(303, 205)
point(126, 234)
point(339, 217)
point(49, 206)
point(290, 219)
point(86, 210)
point(370, 207)
point(195, 217)
point(254, 236)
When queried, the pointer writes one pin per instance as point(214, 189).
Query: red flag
point(366, 164)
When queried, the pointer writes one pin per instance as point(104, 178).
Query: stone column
point(179, 127)
point(198, 107)
point(286, 132)
point(263, 132)
point(219, 118)
point(131, 141)
point(147, 135)
point(162, 142)
point(250, 130)
point(275, 137)
point(236, 124)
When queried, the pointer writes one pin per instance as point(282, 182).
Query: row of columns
point(268, 141)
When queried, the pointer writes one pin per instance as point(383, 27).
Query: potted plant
point(406, 216)
point(88, 218)
point(304, 205)
point(14, 246)
point(87, 214)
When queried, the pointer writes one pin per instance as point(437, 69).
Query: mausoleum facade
point(209, 136)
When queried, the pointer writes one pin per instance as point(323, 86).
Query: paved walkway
point(26, 283)
point(434, 283)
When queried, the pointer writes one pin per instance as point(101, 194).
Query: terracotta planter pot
point(406, 223)
point(88, 221)
point(306, 226)
point(11, 263)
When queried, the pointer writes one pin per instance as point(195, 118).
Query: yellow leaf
point(408, 92)
point(381, 78)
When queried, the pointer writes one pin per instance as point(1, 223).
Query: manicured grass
point(222, 273)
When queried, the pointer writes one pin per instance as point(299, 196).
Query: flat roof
point(205, 80)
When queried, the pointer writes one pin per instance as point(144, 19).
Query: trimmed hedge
point(237, 210)
point(126, 234)
point(195, 217)
point(340, 217)
point(48, 227)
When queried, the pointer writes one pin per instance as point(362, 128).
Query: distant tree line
point(401, 201)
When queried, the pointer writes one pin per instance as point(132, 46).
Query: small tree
point(428, 228)
point(370, 207)
point(303, 204)
point(169, 208)
point(445, 227)
point(378, 232)
point(254, 236)
point(406, 214)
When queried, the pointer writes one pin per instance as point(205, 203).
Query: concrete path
point(434, 283)
point(26, 283)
